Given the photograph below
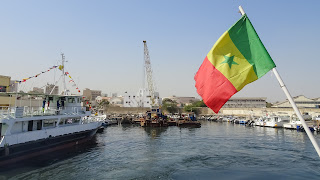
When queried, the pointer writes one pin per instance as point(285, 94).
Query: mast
point(293, 104)
point(64, 79)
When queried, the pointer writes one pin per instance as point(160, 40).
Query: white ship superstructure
point(47, 123)
point(59, 121)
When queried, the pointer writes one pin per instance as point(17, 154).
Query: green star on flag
point(229, 61)
point(216, 82)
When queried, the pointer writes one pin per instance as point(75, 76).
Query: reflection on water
point(30, 165)
point(214, 151)
point(154, 132)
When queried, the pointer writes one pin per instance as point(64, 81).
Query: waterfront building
point(5, 100)
point(52, 89)
point(116, 101)
point(141, 99)
point(13, 86)
point(99, 99)
point(233, 102)
point(38, 90)
point(4, 83)
point(246, 102)
point(113, 101)
point(301, 102)
point(182, 101)
point(91, 95)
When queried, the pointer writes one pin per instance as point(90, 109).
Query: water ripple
point(214, 151)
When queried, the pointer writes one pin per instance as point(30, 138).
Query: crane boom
point(148, 72)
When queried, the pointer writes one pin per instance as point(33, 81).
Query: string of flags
point(25, 79)
point(72, 81)
point(53, 67)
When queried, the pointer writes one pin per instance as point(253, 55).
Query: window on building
point(3, 89)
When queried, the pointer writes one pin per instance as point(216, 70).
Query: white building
point(13, 86)
point(141, 99)
point(38, 90)
point(116, 101)
point(301, 102)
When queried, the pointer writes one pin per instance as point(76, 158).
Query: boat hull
point(24, 151)
point(274, 124)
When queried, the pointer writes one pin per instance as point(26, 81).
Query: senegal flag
point(235, 60)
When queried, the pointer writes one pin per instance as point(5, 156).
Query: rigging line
point(54, 75)
point(55, 84)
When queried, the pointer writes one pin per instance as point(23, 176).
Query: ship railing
point(38, 111)
point(6, 112)
point(27, 111)
point(74, 110)
point(89, 119)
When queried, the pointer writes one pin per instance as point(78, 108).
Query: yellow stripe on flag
point(240, 73)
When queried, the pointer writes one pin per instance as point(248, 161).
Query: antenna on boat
point(65, 91)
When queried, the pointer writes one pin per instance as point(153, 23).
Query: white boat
point(49, 123)
point(27, 132)
point(260, 121)
point(276, 121)
point(295, 123)
point(317, 118)
point(107, 121)
point(243, 120)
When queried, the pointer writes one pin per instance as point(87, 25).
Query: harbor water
point(214, 151)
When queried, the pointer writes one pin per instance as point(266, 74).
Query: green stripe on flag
point(249, 44)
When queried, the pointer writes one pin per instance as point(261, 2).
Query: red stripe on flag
point(214, 88)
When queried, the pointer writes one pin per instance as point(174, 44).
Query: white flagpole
point(293, 104)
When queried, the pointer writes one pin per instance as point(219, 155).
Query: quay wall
point(224, 111)
point(124, 110)
point(260, 111)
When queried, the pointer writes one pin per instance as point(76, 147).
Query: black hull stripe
point(36, 148)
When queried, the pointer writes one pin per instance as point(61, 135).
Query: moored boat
point(59, 123)
point(188, 121)
point(154, 118)
point(276, 121)
point(37, 124)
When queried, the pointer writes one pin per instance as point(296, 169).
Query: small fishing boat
point(188, 121)
point(154, 118)
point(276, 121)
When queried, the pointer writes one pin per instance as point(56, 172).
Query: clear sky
point(102, 41)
